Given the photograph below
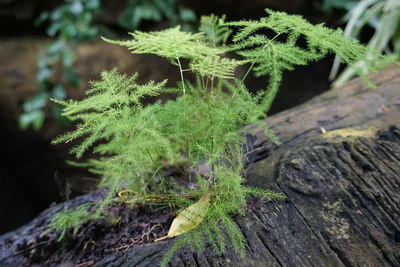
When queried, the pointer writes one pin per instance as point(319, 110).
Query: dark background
point(33, 173)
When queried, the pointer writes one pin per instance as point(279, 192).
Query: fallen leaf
point(351, 132)
point(188, 218)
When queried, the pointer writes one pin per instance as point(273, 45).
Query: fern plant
point(202, 127)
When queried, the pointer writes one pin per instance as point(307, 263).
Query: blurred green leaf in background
point(383, 17)
point(156, 10)
point(72, 24)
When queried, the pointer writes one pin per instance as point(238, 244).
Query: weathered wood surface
point(343, 193)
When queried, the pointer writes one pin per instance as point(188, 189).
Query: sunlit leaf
point(36, 102)
point(34, 118)
point(188, 219)
point(351, 132)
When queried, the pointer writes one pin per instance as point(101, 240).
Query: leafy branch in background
point(383, 16)
point(72, 24)
point(202, 128)
point(137, 11)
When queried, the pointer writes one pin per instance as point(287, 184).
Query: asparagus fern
point(202, 126)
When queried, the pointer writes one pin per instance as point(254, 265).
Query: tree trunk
point(342, 188)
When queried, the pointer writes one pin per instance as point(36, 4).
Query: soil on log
point(339, 166)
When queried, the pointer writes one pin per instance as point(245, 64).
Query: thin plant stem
point(181, 72)
point(254, 62)
point(151, 158)
point(185, 120)
point(248, 71)
point(212, 133)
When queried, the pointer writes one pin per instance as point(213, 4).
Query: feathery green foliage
point(202, 127)
point(70, 219)
point(271, 57)
point(204, 58)
point(180, 44)
point(107, 103)
point(213, 27)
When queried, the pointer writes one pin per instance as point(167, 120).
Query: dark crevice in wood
point(379, 205)
point(188, 259)
point(265, 245)
point(146, 257)
point(199, 262)
point(208, 260)
point(388, 258)
point(323, 241)
point(366, 207)
point(339, 253)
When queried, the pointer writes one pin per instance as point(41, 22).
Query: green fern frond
point(247, 27)
point(214, 29)
point(270, 57)
point(319, 38)
point(170, 43)
point(114, 98)
point(66, 220)
point(113, 91)
point(268, 132)
point(234, 233)
point(264, 194)
point(215, 236)
point(173, 44)
point(214, 66)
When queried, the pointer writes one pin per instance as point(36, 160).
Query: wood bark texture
point(342, 188)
